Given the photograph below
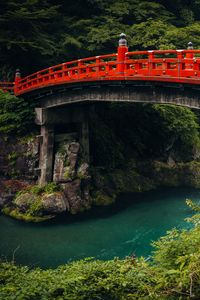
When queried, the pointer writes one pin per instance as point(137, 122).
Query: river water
point(124, 229)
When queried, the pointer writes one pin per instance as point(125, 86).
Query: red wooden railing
point(157, 65)
point(7, 86)
point(174, 65)
point(88, 69)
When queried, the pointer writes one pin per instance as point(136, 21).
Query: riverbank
point(37, 204)
point(143, 176)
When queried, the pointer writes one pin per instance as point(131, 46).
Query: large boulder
point(83, 171)
point(66, 159)
point(53, 203)
point(25, 200)
point(77, 195)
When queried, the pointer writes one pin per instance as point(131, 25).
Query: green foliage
point(25, 31)
point(12, 160)
point(172, 273)
point(51, 188)
point(194, 206)
point(29, 216)
point(103, 199)
point(121, 132)
point(35, 207)
point(16, 115)
point(86, 27)
point(154, 33)
point(67, 174)
point(179, 119)
point(180, 128)
point(38, 189)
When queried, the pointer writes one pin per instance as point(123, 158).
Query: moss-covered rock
point(166, 175)
point(53, 203)
point(83, 171)
point(108, 184)
point(102, 199)
point(180, 174)
point(27, 217)
point(37, 203)
point(24, 201)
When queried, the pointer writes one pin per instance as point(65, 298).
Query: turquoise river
point(123, 229)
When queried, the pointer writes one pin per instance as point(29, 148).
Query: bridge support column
point(46, 154)
point(84, 136)
point(48, 119)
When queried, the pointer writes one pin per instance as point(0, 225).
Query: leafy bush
point(122, 132)
point(16, 115)
point(38, 189)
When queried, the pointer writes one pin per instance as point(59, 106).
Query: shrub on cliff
point(16, 115)
point(180, 128)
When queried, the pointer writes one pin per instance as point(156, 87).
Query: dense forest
point(36, 34)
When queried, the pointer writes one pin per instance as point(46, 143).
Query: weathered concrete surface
point(46, 154)
point(49, 120)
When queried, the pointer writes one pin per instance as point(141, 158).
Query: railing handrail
point(82, 60)
point(7, 86)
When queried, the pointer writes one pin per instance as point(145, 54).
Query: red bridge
point(178, 66)
point(163, 76)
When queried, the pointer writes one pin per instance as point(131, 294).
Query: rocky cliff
point(132, 149)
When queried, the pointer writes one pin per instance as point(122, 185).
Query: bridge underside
point(120, 91)
point(57, 109)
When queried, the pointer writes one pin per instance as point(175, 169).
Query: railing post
point(121, 54)
point(179, 54)
point(150, 62)
point(97, 66)
point(17, 79)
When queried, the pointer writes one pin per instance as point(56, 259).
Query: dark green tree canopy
point(35, 34)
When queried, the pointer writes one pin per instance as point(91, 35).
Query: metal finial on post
point(189, 56)
point(122, 40)
point(17, 77)
point(17, 74)
point(190, 46)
